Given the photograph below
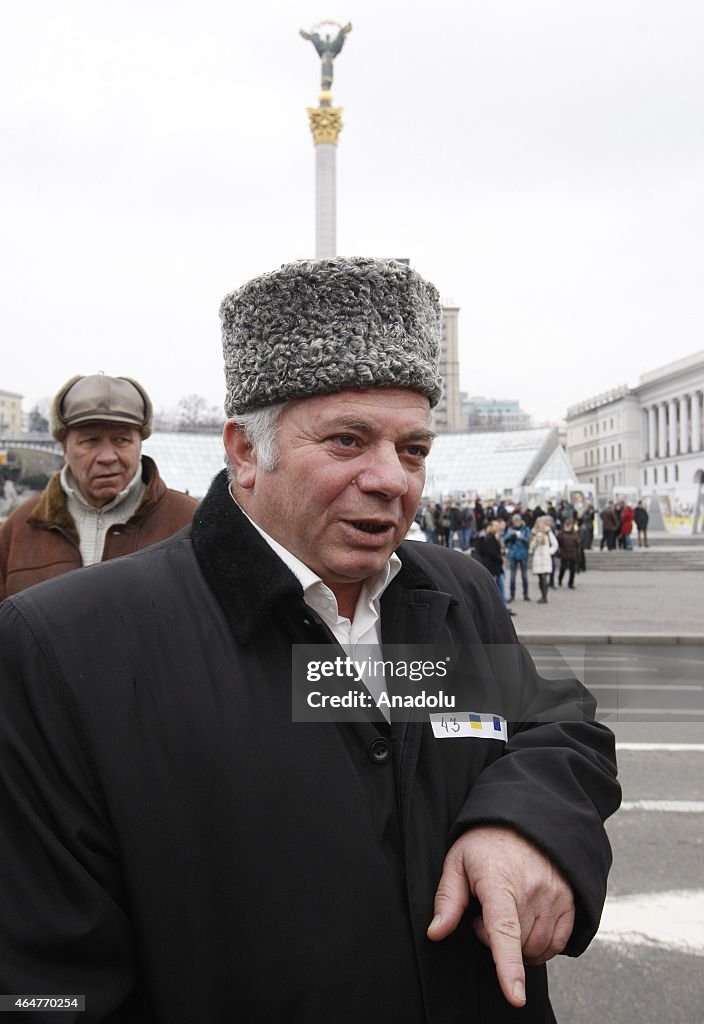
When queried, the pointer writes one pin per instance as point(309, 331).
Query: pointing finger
point(500, 928)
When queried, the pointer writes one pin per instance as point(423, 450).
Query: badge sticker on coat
point(465, 724)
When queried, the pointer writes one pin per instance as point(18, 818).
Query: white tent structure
point(521, 464)
point(187, 462)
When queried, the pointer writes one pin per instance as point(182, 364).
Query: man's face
point(348, 482)
point(103, 458)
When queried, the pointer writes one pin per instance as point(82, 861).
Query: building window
point(585, 430)
point(664, 474)
point(605, 456)
point(645, 478)
point(655, 474)
point(677, 473)
point(619, 451)
point(612, 453)
point(612, 423)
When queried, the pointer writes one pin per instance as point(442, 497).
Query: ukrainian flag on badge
point(466, 724)
point(488, 725)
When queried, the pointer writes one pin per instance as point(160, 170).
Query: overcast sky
point(541, 161)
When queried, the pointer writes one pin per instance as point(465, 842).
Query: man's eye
point(418, 451)
point(346, 440)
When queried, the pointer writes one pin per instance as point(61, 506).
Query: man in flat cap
point(108, 500)
point(183, 843)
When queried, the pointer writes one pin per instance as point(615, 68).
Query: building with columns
point(672, 442)
point(645, 441)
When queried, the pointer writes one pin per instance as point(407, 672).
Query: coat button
point(379, 750)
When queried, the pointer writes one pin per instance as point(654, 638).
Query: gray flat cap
point(99, 398)
point(318, 326)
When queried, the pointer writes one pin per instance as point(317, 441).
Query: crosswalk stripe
point(680, 748)
point(668, 806)
point(671, 920)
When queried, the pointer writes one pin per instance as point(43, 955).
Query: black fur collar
point(246, 576)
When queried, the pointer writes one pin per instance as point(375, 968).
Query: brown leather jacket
point(39, 539)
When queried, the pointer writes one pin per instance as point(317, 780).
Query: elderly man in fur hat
point(108, 499)
point(196, 849)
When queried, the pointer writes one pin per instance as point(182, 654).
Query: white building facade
point(672, 436)
point(645, 441)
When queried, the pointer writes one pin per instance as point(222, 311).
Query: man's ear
point(240, 455)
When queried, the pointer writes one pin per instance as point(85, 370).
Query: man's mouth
point(370, 526)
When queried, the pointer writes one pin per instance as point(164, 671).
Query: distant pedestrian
point(543, 546)
point(642, 519)
point(443, 523)
point(586, 528)
point(427, 523)
point(626, 527)
point(455, 525)
point(609, 527)
point(517, 540)
point(466, 527)
point(618, 509)
point(489, 553)
point(570, 551)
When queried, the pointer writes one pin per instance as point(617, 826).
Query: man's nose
point(107, 452)
point(383, 473)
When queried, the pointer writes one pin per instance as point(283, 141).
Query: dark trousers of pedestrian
point(609, 539)
point(568, 564)
point(543, 584)
point(642, 538)
point(514, 564)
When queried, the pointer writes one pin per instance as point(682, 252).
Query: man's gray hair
point(260, 427)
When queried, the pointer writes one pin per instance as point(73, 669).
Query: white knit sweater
point(93, 523)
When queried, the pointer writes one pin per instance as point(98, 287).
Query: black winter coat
point(181, 852)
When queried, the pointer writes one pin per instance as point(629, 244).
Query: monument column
point(328, 38)
point(325, 125)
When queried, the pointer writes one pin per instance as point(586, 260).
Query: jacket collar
point(248, 579)
point(51, 511)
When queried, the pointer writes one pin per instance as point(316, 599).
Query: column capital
point(325, 124)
